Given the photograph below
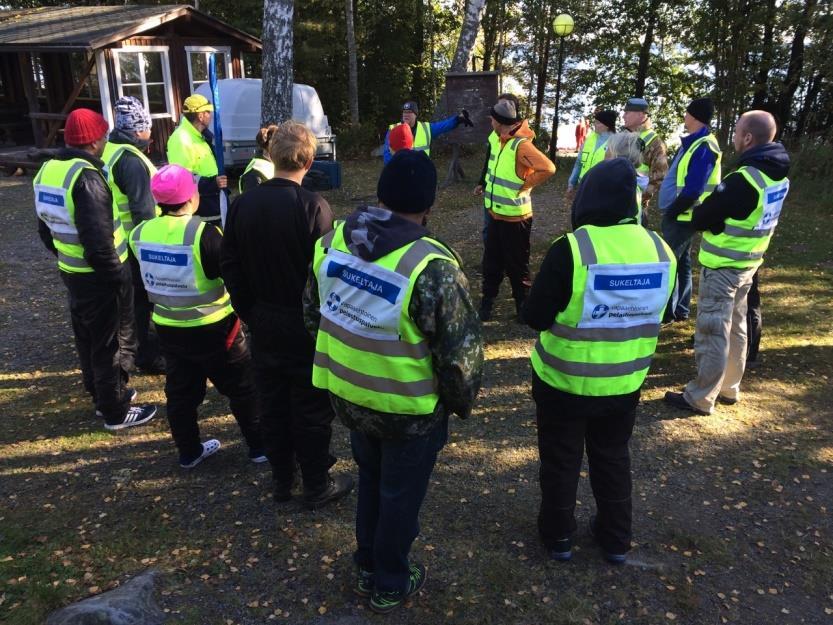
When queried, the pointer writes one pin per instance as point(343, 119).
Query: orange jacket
point(531, 165)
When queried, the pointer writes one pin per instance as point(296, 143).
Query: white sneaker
point(209, 447)
point(136, 415)
point(133, 396)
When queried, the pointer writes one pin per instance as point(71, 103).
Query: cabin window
point(78, 64)
point(198, 64)
point(144, 73)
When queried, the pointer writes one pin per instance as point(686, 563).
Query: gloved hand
point(463, 118)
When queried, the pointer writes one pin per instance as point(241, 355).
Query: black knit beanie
point(408, 183)
point(702, 110)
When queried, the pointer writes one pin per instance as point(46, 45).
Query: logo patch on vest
point(363, 281)
point(54, 199)
point(163, 258)
point(605, 282)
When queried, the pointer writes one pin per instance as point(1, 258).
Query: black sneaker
point(678, 400)
point(364, 583)
point(384, 602)
point(136, 415)
point(562, 551)
point(727, 401)
point(258, 456)
point(337, 487)
point(133, 396)
point(612, 558)
point(519, 313)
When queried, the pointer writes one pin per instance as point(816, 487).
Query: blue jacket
point(699, 168)
point(437, 129)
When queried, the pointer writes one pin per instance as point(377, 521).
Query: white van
point(240, 118)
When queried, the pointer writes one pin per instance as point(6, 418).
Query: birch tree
point(353, 72)
point(468, 35)
point(276, 100)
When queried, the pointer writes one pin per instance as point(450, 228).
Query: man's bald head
point(754, 128)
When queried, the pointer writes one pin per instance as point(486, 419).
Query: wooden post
point(24, 60)
point(54, 126)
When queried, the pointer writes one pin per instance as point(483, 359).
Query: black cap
point(412, 106)
point(606, 195)
point(408, 183)
point(637, 104)
point(702, 110)
point(608, 118)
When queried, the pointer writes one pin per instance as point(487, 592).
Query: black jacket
point(734, 197)
point(93, 219)
point(133, 178)
point(605, 198)
point(268, 245)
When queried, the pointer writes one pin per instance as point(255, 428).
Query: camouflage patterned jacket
point(442, 310)
point(656, 157)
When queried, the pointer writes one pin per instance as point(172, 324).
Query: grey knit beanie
point(131, 115)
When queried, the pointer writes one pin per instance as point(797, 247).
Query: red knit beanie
point(401, 138)
point(84, 126)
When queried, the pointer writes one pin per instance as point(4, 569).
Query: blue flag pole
point(218, 133)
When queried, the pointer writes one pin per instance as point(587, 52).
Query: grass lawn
point(731, 512)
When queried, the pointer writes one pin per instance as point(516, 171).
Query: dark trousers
point(147, 340)
point(195, 355)
point(296, 417)
point(506, 251)
point(754, 320)
point(564, 429)
point(102, 322)
point(393, 480)
point(678, 235)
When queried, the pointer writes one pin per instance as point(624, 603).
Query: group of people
point(370, 318)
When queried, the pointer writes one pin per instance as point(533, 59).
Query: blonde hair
point(292, 146)
point(627, 145)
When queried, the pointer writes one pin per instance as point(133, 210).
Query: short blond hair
point(292, 146)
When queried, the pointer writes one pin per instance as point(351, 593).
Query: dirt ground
point(731, 511)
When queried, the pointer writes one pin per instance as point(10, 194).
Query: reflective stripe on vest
point(187, 147)
point(422, 137)
point(743, 243)
point(502, 182)
point(592, 153)
point(368, 350)
point(713, 179)
point(647, 137)
point(603, 341)
point(168, 251)
point(112, 153)
point(53, 186)
point(265, 169)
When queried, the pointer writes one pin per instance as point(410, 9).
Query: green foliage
point(358, 141)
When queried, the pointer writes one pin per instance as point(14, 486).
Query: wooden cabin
point(56, 59)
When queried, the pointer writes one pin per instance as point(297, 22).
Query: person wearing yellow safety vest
point(738, 221)
point(654, 155)
point(597, 300)
point(399, 349)
point(79, 223)
point(260, 168)
point(424, 132)
point(514, 168)
point(128, 173)
point(191, 145)
point(201, 337)
point(592, 150)
point(694, 173)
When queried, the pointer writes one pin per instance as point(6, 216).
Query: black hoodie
point(734, 197)
point(133, 178)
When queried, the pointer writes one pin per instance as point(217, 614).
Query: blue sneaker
point(562, 551)
point(612, 558)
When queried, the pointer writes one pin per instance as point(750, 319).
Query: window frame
point(166, 77)
point(226, 50)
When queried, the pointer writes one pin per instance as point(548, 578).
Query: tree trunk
point(796, 66)
point(543, 67)
point(760, 97)
point(276, 100)
point(353, 71)
point(468, 34)
point(645, 50)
